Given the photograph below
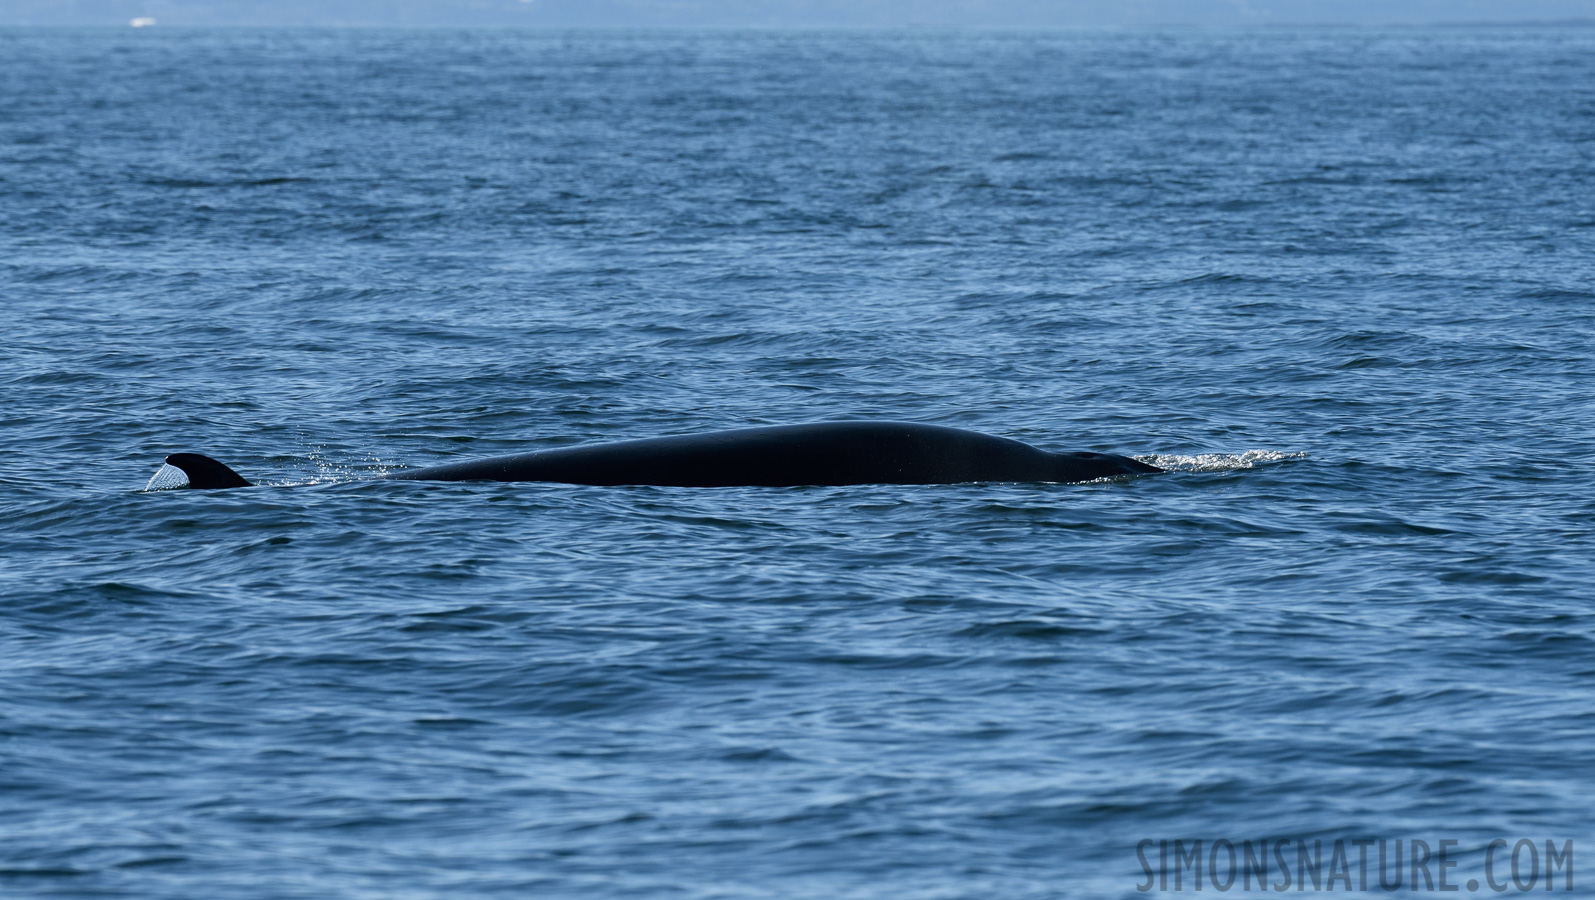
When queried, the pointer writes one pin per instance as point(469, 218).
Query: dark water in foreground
point(1341, 282)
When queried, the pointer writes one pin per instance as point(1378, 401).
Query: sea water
point(1340, 282)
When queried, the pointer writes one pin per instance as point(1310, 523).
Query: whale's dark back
point(824, 453)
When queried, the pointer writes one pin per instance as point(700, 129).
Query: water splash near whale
point(1222, 462)
point(167, 478)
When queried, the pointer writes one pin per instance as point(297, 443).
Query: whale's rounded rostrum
point(822, 453)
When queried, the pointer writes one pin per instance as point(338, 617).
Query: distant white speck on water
point(142, 22)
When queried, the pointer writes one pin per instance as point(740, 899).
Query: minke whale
point(822, 453)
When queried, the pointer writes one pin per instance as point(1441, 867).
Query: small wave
point(1221, 462)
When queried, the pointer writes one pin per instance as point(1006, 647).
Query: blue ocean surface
point(1340, 282)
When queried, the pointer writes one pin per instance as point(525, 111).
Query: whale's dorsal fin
point(206, 473)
